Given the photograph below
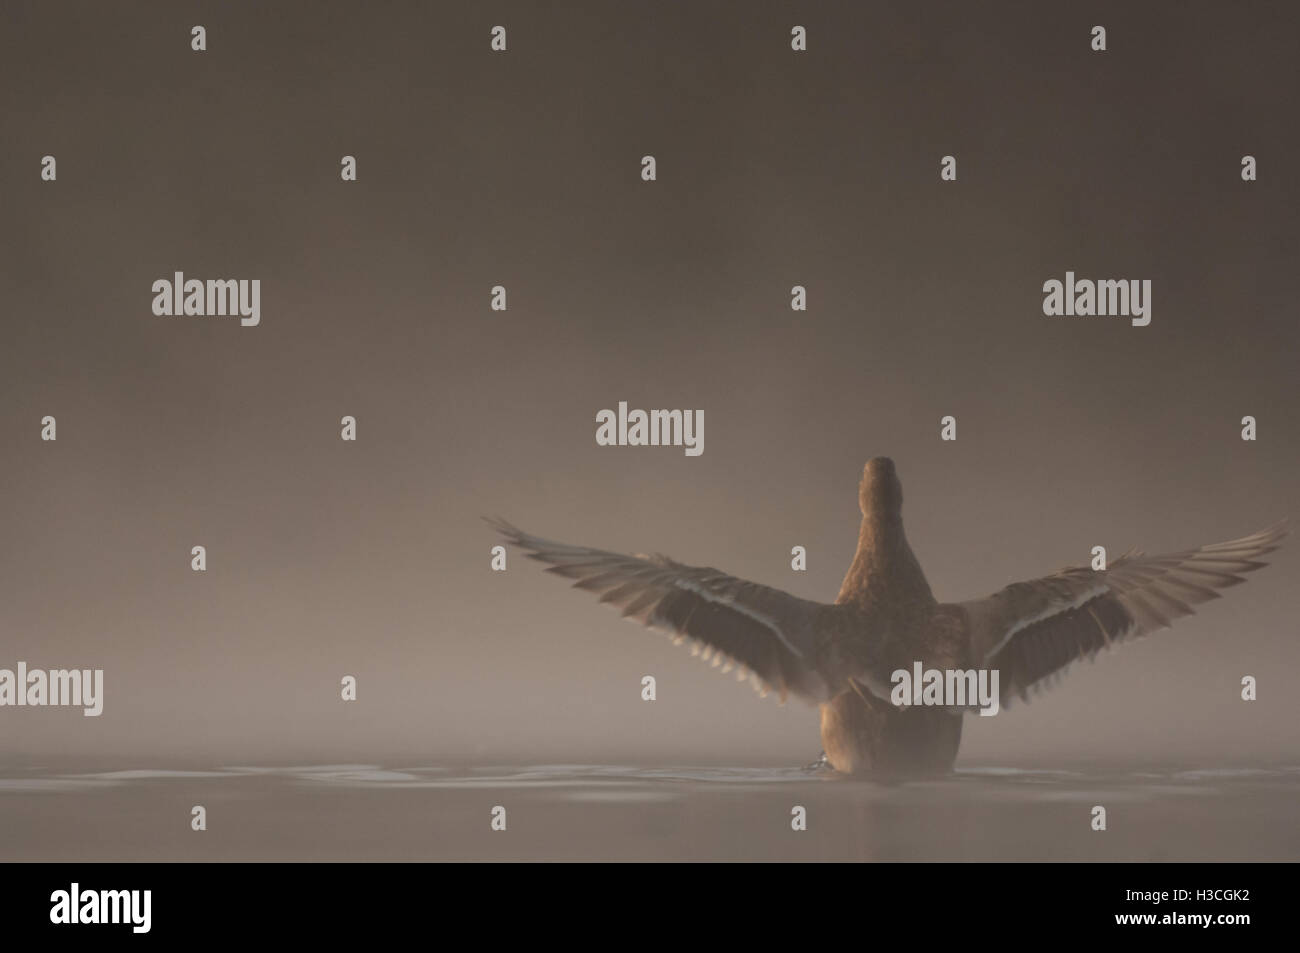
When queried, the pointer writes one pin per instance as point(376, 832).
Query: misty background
point(775, 168)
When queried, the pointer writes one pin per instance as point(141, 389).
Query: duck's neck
point(884, 569)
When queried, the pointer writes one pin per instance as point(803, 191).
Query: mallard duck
point(844, 656)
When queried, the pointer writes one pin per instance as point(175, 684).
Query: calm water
point(608, 812)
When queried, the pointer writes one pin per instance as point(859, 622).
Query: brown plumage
point(885, 618)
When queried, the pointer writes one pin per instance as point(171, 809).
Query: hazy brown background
point(522, 169)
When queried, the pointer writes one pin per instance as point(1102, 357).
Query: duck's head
point(880, 493)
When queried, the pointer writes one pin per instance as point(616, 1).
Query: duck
point(843, 656)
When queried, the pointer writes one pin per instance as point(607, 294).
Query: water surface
point(371, 812)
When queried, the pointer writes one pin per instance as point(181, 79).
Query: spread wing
point(1033, 630)
point(773, 636)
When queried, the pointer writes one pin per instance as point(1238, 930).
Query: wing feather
point(1032, 631)
point(774, 636)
